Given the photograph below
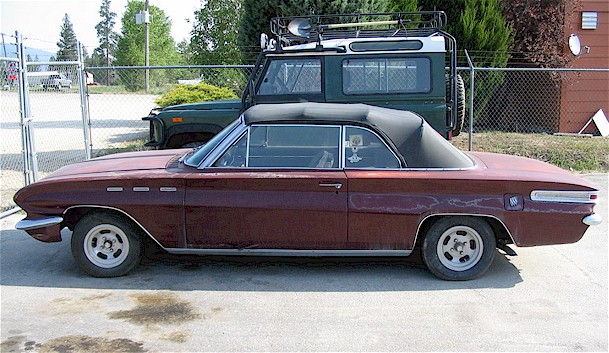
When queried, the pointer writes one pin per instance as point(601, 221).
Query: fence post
point(84, 102)
point(30, 160)
point(472, 78)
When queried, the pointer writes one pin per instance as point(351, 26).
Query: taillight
point(565, 196)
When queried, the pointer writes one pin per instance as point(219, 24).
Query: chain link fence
point(534, 100)
point(11, 158)
point(116, 110)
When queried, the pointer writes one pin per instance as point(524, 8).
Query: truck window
point(291, 76)
point(384, 75)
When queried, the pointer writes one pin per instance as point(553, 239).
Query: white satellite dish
point(575, 46)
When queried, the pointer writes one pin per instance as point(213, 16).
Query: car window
point(292, 76)
point(364, 149)
point(234, 156)
point(194, 157)
point(385, 75)
point(294, 146)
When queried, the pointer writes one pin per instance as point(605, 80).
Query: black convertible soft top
point(407, 132)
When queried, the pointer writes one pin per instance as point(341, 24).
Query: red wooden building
point(584, 93)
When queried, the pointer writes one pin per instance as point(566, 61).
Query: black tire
point(459, 248)
point(460, 106)
point(106, 245)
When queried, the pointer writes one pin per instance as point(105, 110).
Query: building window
point(589, 20)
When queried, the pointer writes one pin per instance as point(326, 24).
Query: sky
point(39, 21)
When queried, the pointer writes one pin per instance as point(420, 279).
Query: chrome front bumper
point(26, 224)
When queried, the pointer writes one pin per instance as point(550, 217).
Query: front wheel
point(106, 245)
point(459, 248)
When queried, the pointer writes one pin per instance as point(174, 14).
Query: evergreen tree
point(452, 8)
point(106, 37)
point(130, 44)
point(67, 41)
point(257, 15)
point(483, 30)
point(403, 5)
point(478, 26)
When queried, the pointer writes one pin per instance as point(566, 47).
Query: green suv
point(394, 60)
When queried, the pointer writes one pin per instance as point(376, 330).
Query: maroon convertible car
point(311, 179)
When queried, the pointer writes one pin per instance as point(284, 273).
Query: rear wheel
point(459, 248)
point(106, 245)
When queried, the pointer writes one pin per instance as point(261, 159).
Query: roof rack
point(315, 28)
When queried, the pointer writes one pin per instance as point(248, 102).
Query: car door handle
point(331, 185)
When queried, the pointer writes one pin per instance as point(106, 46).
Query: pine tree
point(67, 41)
point(106, 36)
point(403, 5)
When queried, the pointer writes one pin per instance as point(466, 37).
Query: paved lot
point(551, 298)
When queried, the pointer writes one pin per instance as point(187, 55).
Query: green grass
point(578, 154)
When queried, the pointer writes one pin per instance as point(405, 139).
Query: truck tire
point(460, 106)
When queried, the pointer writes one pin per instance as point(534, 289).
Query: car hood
point(220, 104)
point(120, 162)
point(507, 167)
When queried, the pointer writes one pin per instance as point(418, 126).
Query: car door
point(381, 214)
point(275, 187)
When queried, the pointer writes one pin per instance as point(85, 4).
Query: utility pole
point(147, 44)
point(144, 17)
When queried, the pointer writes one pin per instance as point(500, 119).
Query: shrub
point(202, 92)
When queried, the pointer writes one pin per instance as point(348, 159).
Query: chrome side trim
point(26, 224)
point(121, 211)
point(289, 252)
point(114, 189)
point(463, 215)
point(331, 185)
point(168, 189)
point(592, 220)
point(565, 196)
point(141, 189)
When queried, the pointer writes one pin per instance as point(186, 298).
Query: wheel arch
point(74, 214)
point(499, 228)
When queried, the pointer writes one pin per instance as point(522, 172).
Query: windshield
point(194, 157)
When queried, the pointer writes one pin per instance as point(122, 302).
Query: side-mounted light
point(565, 196)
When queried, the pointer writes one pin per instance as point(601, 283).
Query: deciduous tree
point(130, 44)
point(539, 30)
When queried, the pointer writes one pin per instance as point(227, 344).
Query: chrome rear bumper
point(592, 220)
